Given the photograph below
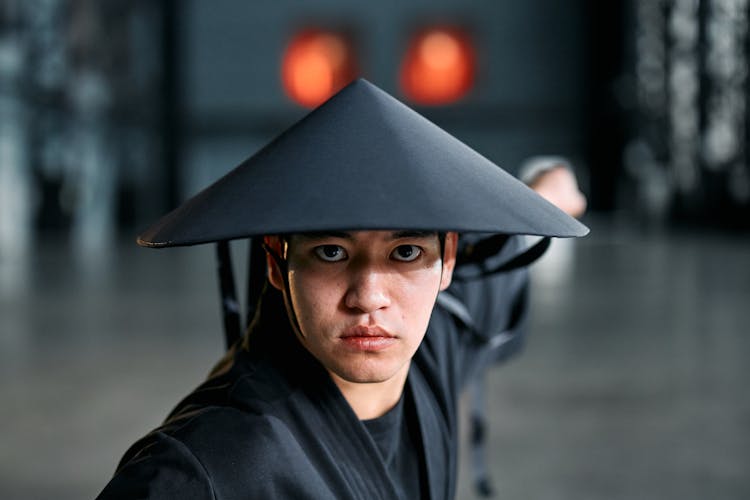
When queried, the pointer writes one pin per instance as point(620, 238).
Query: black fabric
point(409, 467)
point(386, 431)
point(396, 435)
point(270, 423)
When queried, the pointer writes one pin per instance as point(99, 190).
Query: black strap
point(477, 254)
point(229, 305)
point(457, 308)
point(256, 276)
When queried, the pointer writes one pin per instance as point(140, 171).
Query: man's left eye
point(330, 253)
point(406, 253)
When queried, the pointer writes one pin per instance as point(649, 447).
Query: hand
point(558, 185)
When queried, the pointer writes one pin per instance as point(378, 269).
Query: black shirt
point(396, 435)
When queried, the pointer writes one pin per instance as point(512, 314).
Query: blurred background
point(632, 383)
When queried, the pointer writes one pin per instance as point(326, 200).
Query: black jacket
point(270, 423)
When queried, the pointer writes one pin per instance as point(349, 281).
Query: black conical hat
point(362, 160)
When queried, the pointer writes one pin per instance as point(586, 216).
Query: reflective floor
point(632, 384)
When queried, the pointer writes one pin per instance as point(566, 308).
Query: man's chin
point(374, 373)
point(356, 377)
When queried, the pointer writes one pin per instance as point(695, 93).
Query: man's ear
point(275, 276)
point(449, 259)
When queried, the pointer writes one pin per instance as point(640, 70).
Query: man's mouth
point(367, 338)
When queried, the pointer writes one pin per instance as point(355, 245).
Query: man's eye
point(330, 253)
point(407, 253)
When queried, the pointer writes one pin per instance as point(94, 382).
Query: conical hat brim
point(361, 161)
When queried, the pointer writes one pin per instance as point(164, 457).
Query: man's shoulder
point(223, 450)
point(213, 432)
point(240, 404)
point(208, 429)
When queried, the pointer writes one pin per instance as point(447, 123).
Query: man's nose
point(367, 290)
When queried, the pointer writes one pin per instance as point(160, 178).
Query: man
point(336, 391)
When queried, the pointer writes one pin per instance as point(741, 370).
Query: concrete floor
point(632, 385)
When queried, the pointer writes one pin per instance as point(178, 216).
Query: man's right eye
point(330, 253)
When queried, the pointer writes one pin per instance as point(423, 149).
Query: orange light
point(438, 67)
point(315, 65)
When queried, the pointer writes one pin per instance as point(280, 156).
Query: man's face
point(363, 298)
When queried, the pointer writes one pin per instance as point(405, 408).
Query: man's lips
point(367, 338)
point(366, 331)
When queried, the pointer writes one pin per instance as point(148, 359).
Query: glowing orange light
point(438, 67)
point(315, 65)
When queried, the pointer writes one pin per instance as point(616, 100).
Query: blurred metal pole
point(171, 102)
point(93, 222)
point(15, 179)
